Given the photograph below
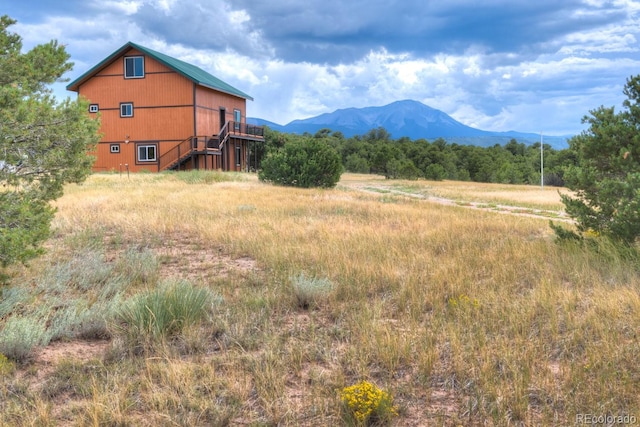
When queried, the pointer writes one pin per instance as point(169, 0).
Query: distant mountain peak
point(405, 118)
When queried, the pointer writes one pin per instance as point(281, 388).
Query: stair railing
point(223, 136)
point(176, 154)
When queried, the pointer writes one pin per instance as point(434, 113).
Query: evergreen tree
point(606, 176)
point(303, 162)
point(43, 143)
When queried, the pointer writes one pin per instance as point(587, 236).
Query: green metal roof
point(193, 73)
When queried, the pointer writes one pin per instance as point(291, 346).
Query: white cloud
point(126, 7)
point(166, 6)
point(239, 18)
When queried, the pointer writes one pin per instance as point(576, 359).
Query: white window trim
point(133, 58)
point(146, 147)
point(122, 105)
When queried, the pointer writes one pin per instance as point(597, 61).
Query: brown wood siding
point(117, 66)
point(152, 90)
point(207, 121)
point(160, 85)
point(168, 123)
point(208, 104)
point(118, 162)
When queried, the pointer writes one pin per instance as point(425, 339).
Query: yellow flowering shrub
point(6, 366)
point(365, 402)
point(592, 233)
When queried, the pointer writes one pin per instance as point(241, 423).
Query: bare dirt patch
point(47, 358)
point(81, 351)
point(443, 402)
point(195, 262)
point(188, 257)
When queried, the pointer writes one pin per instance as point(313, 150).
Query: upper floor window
point(126, 109)
point(237, 117)
point(134, 67)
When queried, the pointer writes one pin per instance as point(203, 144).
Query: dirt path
point(382, 189)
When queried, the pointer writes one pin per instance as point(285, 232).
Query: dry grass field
point(465, 312)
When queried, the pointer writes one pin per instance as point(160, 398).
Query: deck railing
point(238, 128)
point(186, 147)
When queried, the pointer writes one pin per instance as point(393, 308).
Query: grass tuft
point(138, 266)
point(20, 336)
point(311, 291)
point(150, 318)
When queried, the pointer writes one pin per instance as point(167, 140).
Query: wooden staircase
point(208, 145)
point(186, 150)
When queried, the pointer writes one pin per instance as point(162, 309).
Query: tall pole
point(541, 162)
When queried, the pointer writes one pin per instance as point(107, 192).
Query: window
point(114, 148)
point(93, 108)
point(238, 155)
point(126, 109)
point(146, 153)
point(237, 117)
point(134, 67)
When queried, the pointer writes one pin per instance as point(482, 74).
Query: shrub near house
point(302, 163)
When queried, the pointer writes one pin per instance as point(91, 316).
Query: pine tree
point(43, 143)
point(606, 177)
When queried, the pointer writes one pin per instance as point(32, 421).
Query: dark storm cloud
point(337, 31)
point(209, 24)
point(340, 31)
point(192, 25)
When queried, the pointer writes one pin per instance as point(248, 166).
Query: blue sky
point(531, 66)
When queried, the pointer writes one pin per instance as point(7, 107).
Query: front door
point(223, 117)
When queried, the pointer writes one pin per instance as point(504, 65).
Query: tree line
point(376, 152)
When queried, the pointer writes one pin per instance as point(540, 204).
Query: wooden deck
point(197, 148)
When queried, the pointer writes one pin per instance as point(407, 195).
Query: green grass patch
point(151, 317)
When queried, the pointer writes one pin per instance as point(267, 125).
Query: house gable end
point(75, 85)
point(193, 73)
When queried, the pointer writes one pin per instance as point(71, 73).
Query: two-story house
point(159, 113)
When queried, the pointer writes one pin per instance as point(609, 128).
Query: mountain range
point(410, 119)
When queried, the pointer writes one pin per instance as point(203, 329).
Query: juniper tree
point(43, 142)
point(606, 176)
point(302, 162)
